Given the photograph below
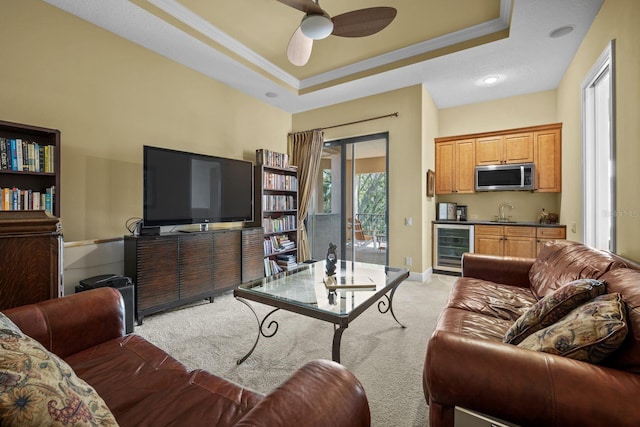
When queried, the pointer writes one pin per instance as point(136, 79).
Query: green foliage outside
point(372, 200)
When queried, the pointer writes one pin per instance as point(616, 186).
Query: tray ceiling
point(445, 45)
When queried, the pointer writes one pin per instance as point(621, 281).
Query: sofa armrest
point(72, 323)
point(527, 387)
point(507, 270)
point(321, 393)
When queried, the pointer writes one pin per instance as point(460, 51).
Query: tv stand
point(178, 268)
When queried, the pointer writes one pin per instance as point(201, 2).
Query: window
point(598, 134)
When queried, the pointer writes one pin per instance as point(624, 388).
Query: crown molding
point(204, 27)
point(194, 21)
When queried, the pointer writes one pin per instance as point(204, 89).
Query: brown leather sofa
point(468, 366)
point(144, 386)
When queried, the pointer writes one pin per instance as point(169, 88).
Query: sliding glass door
point(350, 207)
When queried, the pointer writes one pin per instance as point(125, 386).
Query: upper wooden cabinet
point(505, 149)
point(457, 156)
point(455, 167)
point(547, 149)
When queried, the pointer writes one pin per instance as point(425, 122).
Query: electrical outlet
point(407, 261)
point(408, 221)
point(574, 227)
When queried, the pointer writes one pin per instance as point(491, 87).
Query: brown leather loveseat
point(143, 386)
point(469, 365)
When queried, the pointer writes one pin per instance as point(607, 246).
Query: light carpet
point(386, 358)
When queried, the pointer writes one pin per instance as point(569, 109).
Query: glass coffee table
point(338, 299)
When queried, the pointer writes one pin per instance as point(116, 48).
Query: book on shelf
point(17, 199)
point(272, 158)
point(271, 267)
point(20, 155)
point(275, 244)
point(280, 224)
point(286, 261)
point(279, 181)
point(278, 202)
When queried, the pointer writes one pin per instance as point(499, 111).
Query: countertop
point(489, 222)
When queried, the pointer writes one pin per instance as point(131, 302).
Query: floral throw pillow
point(37, 388)
point(589, 333)
point(553, 307)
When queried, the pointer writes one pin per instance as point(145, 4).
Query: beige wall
point(617, 19)
point(430, 130)
point(518, 111)
point(109, 97)
point(514, 112)
point(405, 159)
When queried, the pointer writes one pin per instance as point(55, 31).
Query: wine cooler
point(450, 242)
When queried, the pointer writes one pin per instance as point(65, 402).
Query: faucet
point(502, 217)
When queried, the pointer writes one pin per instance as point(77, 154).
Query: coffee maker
point(461, 213)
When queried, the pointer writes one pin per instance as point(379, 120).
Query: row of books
point(19, 155)
point(277, 181)
point(15, 199)
point(271, 267)
point(275, 244)
point(272, 158)
point(280, 224)
point(280, 264)
point(276, 202)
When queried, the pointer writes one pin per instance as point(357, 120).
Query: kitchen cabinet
point(505, 149)
point(457, 156)
point(547, 234)
point(514, 240)
point(455, 167)
point(501, 240)
point(547, 149)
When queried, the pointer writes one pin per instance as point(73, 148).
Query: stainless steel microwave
point(518, 176)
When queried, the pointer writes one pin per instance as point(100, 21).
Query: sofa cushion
point(132, 375)
point(553, 307)
point(563, 261)
point(490, 299)
point(472, 325)
point(626, 282)
point(588, 333)
point(38, 388)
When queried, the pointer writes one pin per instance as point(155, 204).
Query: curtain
point(305, 149)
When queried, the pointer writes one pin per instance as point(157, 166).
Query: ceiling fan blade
point(306, 6)
point(363, 22)
point(299, 48)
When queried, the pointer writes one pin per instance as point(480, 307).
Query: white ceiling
point(527, 59)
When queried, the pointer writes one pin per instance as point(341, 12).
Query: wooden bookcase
point(31, 176)
point(276, 210)
point(173, 269)
point(30, 258)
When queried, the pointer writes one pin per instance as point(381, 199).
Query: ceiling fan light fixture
point(316, 27)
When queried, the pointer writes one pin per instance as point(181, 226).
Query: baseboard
point(420, 277)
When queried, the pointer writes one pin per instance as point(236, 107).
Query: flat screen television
point(188, 188)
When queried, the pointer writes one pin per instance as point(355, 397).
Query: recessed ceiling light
point(490, 80)
point(271, 95)
point(561, 31)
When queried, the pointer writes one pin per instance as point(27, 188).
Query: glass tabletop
point(354, 284)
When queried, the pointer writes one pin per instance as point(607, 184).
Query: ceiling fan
point(317, 24)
